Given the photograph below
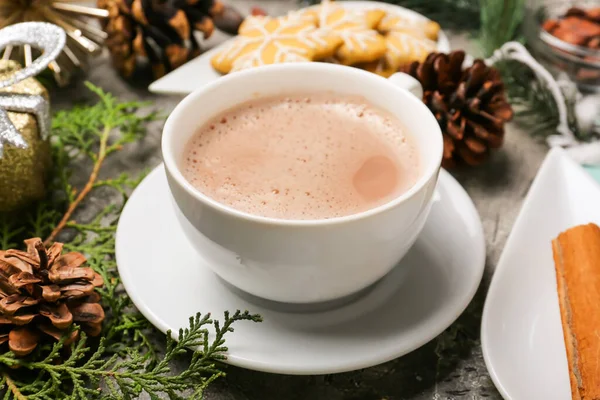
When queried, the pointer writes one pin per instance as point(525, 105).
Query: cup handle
point(407, 82)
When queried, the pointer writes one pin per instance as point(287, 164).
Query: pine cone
point(158, 32)
point(44, 292)
point(470, 105)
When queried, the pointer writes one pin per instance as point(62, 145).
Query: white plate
point(521, 332)
point(168, 282)
point(198, 72)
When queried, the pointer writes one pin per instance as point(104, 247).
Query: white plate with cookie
point(199, 71)
point(521, 334)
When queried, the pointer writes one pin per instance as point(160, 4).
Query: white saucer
point(198, 72)
point(521, 331)
point(168, 282)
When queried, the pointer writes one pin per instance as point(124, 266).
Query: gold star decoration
point(84, 38)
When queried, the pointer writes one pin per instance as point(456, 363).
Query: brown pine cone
point(470, 105)
point(158, 32)
point(43, 293)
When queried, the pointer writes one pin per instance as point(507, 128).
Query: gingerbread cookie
point(404, 48)
point(418, 27)
point(378, 67)
point(360, 41)
point(266, 40)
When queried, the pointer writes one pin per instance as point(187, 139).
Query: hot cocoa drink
point(302, 156)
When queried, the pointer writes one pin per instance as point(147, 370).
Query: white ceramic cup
point(303, 261)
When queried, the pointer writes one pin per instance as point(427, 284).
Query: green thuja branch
point(97, 239)
point(11, 231)
point(87, 131)
point(97, 374)
point(108, 367)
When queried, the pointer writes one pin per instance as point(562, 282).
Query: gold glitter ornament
point(84, 37)
point(23, 172)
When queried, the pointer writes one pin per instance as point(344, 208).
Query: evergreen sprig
point(86, 131)
point(96, 374)
point(500, 23)
point(534, 105)
point(126, 361)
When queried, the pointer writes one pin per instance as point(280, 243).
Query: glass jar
point(581, 63)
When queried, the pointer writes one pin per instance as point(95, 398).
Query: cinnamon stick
point(577, 264)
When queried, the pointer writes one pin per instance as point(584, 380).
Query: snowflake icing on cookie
point(360, 41)
point(404, 48)
point(266, 40)
point(417, 27)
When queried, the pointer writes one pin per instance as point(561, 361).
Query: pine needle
point(500, 23)
point(535, 108)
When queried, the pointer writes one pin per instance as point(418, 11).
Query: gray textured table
point(450, 366)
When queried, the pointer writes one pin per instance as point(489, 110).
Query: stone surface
point(450, 366)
